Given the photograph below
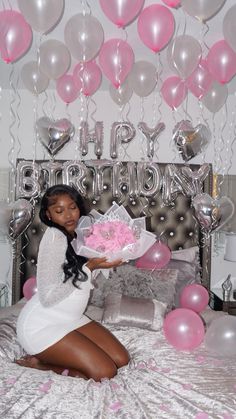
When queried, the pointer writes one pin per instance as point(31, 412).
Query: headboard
point(137, 186)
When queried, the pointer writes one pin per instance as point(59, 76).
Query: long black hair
point(73, 266)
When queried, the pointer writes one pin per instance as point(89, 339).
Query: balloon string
point(12, 137)
point(232, 145)
point(143, 149)
point(171, 143)
point(85, 5)
point(205, 30)
point(17, 117)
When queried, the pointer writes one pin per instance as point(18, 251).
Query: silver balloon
point(84, 36)
point(122, 94)
point(151, 135)
point(87, 136)
point(27, 179)
point(42, 15)
point(97, 167)
point(51, 171)
point(21, 214)
point(34, 80)
point(220, 336)
point(212, 214)
point(190, 141)
point(148, 179)
point(196, 177)
point(53, 135)
point(173, 183)
point(74, 174)
point(121, 132)
point(54, 58)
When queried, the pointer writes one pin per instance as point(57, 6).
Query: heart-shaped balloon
point(212, 213)
point(54, 135)
point(15, 217)
point(190, 141)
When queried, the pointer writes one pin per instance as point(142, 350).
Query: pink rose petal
point(65, 372)
point(187, 386)
point(202, 415)
point(227, 416)
point(116, 406)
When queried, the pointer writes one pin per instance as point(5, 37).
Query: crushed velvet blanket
point(159, 382)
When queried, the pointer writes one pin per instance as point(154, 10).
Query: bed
point(160, 381)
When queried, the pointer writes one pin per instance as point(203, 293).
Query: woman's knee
point(122, 358)
point(106, 370)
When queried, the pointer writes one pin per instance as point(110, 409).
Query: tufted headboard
point(174, 223)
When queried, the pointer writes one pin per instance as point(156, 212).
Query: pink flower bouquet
point(113, 234)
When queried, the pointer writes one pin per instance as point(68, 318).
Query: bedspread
point(159, 382)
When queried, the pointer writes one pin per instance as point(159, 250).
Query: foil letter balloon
point(53, 135)
point(121, 132)
point(74, 173)
point(151, 135)
point(27, 179)
point(95, 137)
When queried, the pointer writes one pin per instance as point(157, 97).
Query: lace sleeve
point(50, 274)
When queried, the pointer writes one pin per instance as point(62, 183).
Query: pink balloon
point(121, 12)
point(87, 77)
point(15, 35)
point(183, 329)
point(199, 82)
point(195, 297)
point(221, 62)
point(155, 258)
point(174, 91)
point(156, 25)
point(116, 59)
point(172, 3)
point(66, 88)
point(30, 287)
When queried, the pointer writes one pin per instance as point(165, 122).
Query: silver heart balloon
point(212, 214)
point(191, 141)
point(53, 135)
point(15, 217)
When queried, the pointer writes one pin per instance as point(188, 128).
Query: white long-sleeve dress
point(56, 308)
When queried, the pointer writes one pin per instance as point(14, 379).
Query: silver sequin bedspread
point(160, 382)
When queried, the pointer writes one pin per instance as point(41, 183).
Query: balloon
point(122, 94)
point(199, 82)
point(87, 77)
point(172, 3)
point(221, 62)
point(174, 91)
point(220, 336)
point(216, 97)
point(116, 60)
point(229, 29)
point(84, 36)
point(183, 329)
point(185, 52)
point(54, 58)
point(143, 78)
point(190, 141)
point(195, 297)
point(156, 26)
point(66, 88)
point(34, 80)
point(212, 214)
point(27, 179)
point(30, 287)
point(88, 136)
point(121, 132)
point(15, 35)
point(151, 135)
point(196, 177)
point(121, 12)
point(21, 214)
point(42, 15)
point(155, 258)
point(202, 9)
point(53, 135)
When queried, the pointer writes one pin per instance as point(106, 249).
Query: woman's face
point(64, 211)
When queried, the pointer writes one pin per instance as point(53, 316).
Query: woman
point(52, 327)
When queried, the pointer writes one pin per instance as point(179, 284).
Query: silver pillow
point(134, 312)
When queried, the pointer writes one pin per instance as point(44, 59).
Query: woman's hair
point(73, 266)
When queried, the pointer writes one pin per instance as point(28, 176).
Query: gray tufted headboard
point(175, 224)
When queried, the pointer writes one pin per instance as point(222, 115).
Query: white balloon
point(143, 78)
point(220, 337)
point(84, 36)
point(122, 94)
point(54, 58)
point(229, 27)
point(42, 15)
point(34, 80)
point(184, 54)
point(216, 97)
point(202, 9)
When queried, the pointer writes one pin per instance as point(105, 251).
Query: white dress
point(57, 308)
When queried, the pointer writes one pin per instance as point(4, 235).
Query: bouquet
point(114, 234)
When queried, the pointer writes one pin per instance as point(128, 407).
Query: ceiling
point(207, 34)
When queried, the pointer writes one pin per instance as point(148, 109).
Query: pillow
point(133, 312)
point(133, 282)
point(190, 255)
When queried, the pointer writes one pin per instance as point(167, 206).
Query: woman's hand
point(102, 263)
